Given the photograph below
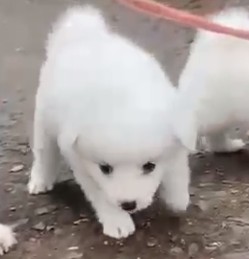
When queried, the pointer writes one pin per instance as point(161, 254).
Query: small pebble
point(120, 243)
point(16, 168)
point(193, 249)
point(75, 255)
point(183, 242)
point(39, 227)
point(223, 225)
point(45, 210)
point(9, 189)
point(210, 249)
point(202, 205)
point(73, 248)
point(217, 244)
point(41, 211)
point(50, 228)
point(192, 191)
point(213, 247)
point(24, 150)
point(152, 242)
point(213, 194)
point(176, 251)
point(77, 222)
point(205, 185)
point(234, 191)
point(174, 238)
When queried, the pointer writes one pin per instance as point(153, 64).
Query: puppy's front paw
point(36, 186)
point(7, 239)
point(178, 206)
point(178, 202)
point(118, 224)
point(226, 146)
point(234, 145)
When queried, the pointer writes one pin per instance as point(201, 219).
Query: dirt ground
point(61, 225)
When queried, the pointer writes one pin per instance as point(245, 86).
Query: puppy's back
point(217, 54)
point(215, 78)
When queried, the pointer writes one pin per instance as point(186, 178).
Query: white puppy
point(7, 238)
point(215, 83)
point(108, 108)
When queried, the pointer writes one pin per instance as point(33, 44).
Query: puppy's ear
point(69, 142)
point(185, 127)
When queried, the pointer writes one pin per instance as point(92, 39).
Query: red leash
point(182, 17)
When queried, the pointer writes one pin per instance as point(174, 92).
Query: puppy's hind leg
point(222, 143)
point(44, 170)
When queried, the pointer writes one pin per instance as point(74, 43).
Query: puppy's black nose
point(129, 206)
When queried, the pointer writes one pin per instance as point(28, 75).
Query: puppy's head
point(127, 158)
point(127, 168)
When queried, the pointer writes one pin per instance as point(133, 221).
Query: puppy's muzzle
point(129, 206)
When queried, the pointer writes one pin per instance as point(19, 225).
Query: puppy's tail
point(76, 24)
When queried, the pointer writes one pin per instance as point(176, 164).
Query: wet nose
point(129, 206)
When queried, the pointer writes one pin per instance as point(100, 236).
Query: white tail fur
point(75, 24)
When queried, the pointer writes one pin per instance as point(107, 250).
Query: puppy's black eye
point(148, 167)
point(106, 169)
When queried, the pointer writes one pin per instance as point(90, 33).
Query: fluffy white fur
point(103, 100)
point(215, 83)
point(7, 238)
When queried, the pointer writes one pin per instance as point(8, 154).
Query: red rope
point(182, 17)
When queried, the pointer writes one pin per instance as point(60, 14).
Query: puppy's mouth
point(132, 211)
point(136, 210)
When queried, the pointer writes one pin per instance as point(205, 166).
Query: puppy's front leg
point(175, 185)
point(116, 222)
point(44, 170)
